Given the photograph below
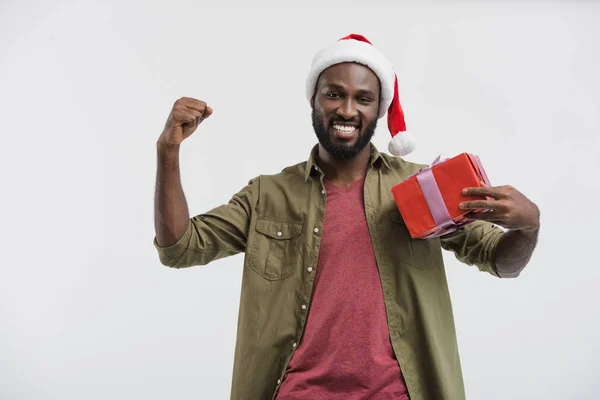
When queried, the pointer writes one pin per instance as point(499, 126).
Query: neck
point(344, 173)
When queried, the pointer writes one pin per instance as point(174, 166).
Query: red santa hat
point(356, 48)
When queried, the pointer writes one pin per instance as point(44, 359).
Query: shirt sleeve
point(475, 244)
point(218, 233)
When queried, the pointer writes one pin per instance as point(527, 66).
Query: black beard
point(337, 151)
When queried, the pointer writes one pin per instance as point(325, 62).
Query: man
point(337, 300)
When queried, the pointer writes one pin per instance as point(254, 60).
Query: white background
point(86, 309)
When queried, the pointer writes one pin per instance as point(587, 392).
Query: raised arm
point(182, 241)
point(171, 214)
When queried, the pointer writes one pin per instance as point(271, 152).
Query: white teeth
point(346, 129)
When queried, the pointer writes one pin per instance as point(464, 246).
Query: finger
point(184, 117)
point(478, 204)
point(180, 108)
point(197, 114)
point(190, 101)
point(205, 111)
point(194, 104)
point(482, 191)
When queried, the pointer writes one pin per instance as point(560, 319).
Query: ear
point(312, 102)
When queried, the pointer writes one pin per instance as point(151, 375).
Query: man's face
point(345, 109)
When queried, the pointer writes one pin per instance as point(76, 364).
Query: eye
point(364, 99)
point(332, 95)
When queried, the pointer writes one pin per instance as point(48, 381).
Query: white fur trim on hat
point(402, 144)
point(359, 52)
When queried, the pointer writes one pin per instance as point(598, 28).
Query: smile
point(344, 130)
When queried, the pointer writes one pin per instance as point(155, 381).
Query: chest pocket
point(276, 248)
point(412, 251)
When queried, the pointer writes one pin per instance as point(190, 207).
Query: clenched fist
point(186, 115)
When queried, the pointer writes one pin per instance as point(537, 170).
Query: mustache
point(352, 121)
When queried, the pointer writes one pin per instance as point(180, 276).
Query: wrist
point(164, 148)
point(530, 230)
point(534, 225)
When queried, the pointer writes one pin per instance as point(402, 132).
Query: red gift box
point(429, 199)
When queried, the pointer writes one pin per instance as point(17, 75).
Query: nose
point(347, 109)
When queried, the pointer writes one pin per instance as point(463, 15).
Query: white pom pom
point(402, 144)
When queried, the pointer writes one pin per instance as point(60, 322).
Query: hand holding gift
point(448, 194)
point(508, 207)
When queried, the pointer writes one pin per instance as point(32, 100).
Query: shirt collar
point(311, 165)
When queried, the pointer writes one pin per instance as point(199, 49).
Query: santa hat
point(356, 48)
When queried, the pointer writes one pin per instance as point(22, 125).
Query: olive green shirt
point(276, 220)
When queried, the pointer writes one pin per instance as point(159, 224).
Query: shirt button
point(294, 345)
point(279, 233)
point(304, 306)
point(316, 230)
point(310, 269)
point(279, 381)
point(323, 191)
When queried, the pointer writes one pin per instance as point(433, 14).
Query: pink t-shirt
point(345, 352)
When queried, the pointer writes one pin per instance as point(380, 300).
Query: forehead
point(351, 76)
